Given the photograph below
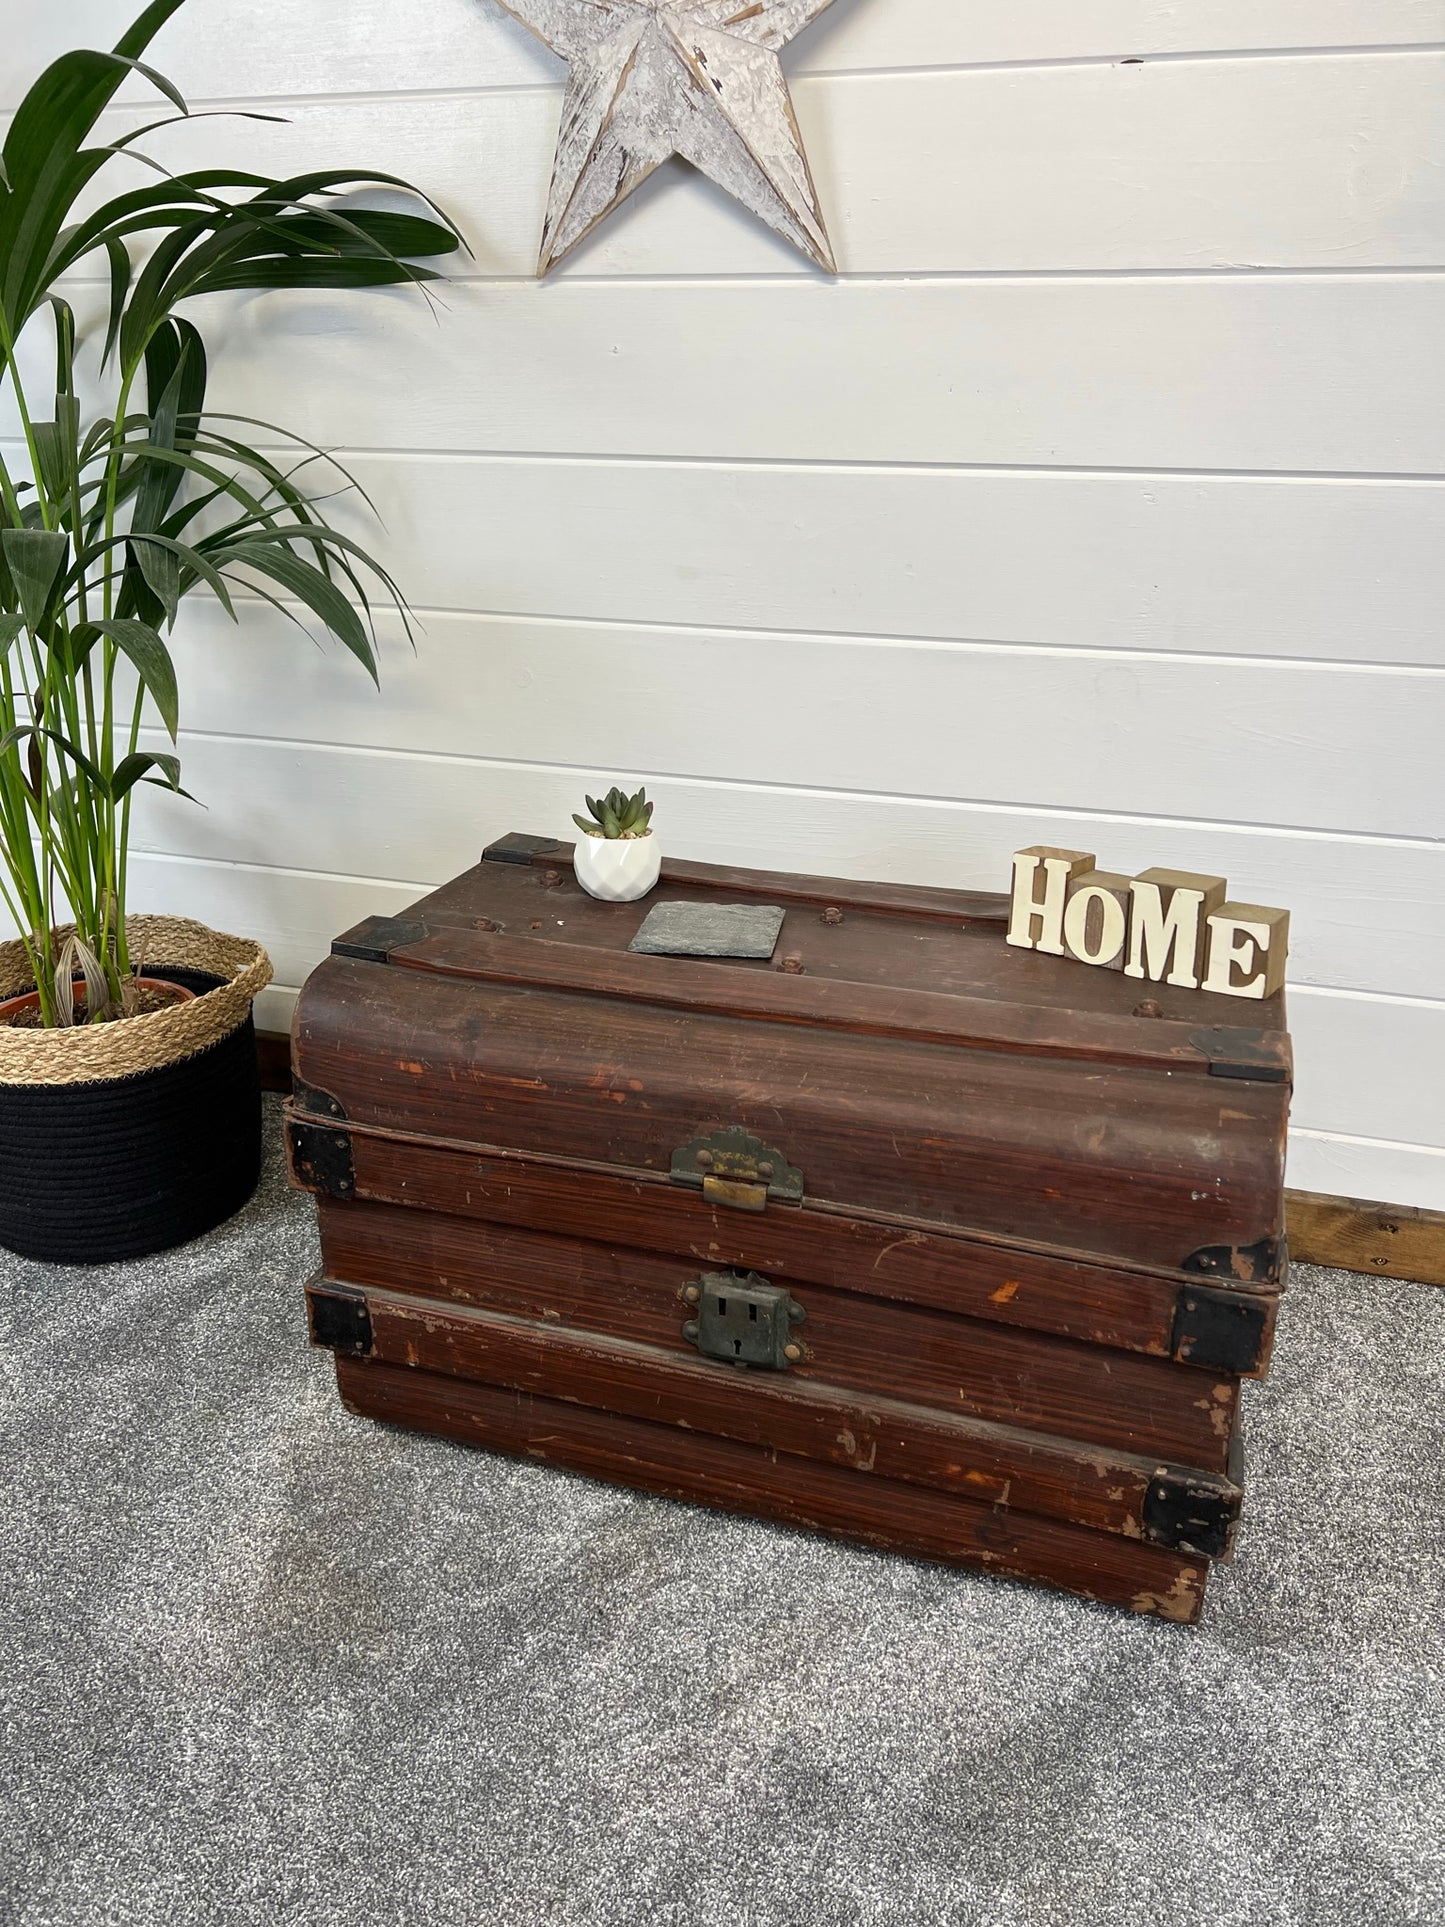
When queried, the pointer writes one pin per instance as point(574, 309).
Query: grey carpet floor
point(263, 1662)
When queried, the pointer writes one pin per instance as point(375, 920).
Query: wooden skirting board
point(1349, 1234)
point(1391, 1240)
point(273, 1047)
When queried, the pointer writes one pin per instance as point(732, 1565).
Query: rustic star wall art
point(653, 78)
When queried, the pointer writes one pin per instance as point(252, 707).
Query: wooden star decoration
point(653, 78)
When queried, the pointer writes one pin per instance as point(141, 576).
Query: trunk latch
point(734, 1168)
point(743, 1320)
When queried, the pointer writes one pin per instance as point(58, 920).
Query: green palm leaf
point(135, 769)
point(46, 167)
point(309, 586)
point(279, 271)
point(35, 558)
point(150, 656)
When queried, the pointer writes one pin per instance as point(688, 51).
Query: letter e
point(1248, 944)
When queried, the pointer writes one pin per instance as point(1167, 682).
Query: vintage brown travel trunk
point(902, 1234)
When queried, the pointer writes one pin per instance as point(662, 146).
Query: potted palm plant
point(129, 1100)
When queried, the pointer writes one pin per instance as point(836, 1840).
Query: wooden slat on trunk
point(1030, 1379)
point(741, 1478)
point(1031, 1472)
point(1006, 1283)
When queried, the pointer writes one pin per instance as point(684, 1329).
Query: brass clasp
point(733, 1168)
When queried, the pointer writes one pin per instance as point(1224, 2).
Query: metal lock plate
point(743, 1320)
point(734, 1168)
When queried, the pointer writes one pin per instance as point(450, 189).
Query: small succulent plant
point(616, 815)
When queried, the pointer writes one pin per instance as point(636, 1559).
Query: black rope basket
point(97, 1170)
point(92, 1173)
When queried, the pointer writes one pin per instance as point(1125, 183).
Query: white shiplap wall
point(1098, 501)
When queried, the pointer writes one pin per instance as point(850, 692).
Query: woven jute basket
point(96, 1053)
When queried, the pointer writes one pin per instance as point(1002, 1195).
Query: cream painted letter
point(1248, 944)
point(1096, 919)
point(1166, 925)
point(1045, 909)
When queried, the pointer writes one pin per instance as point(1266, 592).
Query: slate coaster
point(709, 930)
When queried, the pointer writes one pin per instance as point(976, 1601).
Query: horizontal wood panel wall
point(1100, 500)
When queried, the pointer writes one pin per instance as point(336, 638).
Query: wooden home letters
point(1166, 926)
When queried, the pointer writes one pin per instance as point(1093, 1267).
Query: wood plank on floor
point(1352, 1234)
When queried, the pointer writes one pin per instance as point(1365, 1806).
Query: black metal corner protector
point(321, 1158)
point(517, 848)
point(1262, 1263)
point(310, 1097)
point(374, 939)
point(1222, 1331)
point(339, 1320)
point(1190, 1514)
point(1256, 1056)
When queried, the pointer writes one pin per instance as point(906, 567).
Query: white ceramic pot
point(617, 869)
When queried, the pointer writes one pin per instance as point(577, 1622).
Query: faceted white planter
point(617, 869)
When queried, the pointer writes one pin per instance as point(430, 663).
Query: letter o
point(1110, 925)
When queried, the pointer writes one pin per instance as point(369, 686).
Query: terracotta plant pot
point(617, 869)
point(11, 1008)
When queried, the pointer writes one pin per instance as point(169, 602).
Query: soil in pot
point(23, 1012)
